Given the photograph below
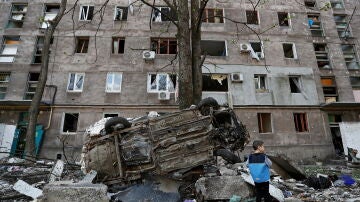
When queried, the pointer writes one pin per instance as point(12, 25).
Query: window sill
point(68, 133)
point(160, 92)
point(262, 91)
point(302, 133)
point(80, 53)
point(73, 91)
point(113, 92)
point(267, 133)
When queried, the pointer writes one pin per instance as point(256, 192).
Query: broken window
point(70, 122)
point(289, 50)
point(9, 48)
point(258, 49)
point(109, 115)
point(120, 13)
point(351, 59)
point(322, 58)
point(113, 82)
point(213, 48)
point(4, 83)
point(252, 17)
point(355, 83)
point(82, 44)
point(264, 122)
point(86, 13)
point(162, 82)
point(164, 45)
point(295, 84)
point(76, 82)
point(300, 121)
point(213, 15)
point(342, 26)
point(215, 82)
point(49, 14)
point(33, 79)
point(166, 14)
point(260, 83)
point(329, 89)
point(311, 4)
point(315, 25)
point(17, 16)
point(284, 19)
point(118, 45)
point(37, 58)
point(337, 4)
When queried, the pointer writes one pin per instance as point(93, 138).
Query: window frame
point(288, 19)
point(340, 23)
point(4, 84)
point(124, 13)
point(118, 39)
point(168, 80)
point(31, 84)
point(78, 40)
point(107, 90)
point(318, 27)
point(158, 45)
point(51, 15)
point(304, 122)
point(63, 122)
point(258, 81)
point(337, 1)
point(353, 55)
point(322, 56)
point(260, 121)
point(3, 46)
point(75, 78)
point(206, 18)
point(333, 85)
point(87, 15)
point(293, 47)
point(299, 82)
point(257, 17)
point(261, 47)
point(36, 48)
point(12, 12)
point(171, 14)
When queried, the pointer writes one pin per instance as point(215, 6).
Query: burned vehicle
point(125, 149)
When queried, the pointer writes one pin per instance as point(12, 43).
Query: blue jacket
point(259, 166)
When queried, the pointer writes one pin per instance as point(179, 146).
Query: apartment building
point(291, 83)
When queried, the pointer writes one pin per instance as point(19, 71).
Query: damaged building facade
point(291, 85)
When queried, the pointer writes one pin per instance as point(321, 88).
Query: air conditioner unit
point(237, 77)
point(245, 48)
point(164, 96)
point(148, 55)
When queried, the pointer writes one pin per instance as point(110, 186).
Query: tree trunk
point(185, 61)
point(196, 51)
point(35, 103)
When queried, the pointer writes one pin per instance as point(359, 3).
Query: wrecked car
point(122, 150)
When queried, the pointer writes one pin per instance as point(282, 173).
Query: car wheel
point(116, 123)
point(227, 156)
point(205, 104)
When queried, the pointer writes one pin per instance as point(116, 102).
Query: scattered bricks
point(75, 192)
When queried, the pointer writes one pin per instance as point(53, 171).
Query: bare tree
point(35, 103)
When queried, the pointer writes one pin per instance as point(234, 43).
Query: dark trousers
point(262, 191)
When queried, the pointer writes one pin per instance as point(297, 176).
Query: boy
point(259, 166)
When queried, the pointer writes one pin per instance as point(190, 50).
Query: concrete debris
point(16, 160)
point(89, 177)
point(57, 171)
point(223, 187)
point(68, 191)
point(26, 189)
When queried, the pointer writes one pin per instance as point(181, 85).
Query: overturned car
point(125, 149)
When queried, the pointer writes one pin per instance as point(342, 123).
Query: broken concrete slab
point(57, 171)
point(26, 189)
point(89, 177)
point(222, 187)
point(285, 168)
point(68, 191)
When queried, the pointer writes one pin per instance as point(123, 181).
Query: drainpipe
point(51, 105)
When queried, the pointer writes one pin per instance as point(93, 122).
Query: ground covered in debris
point(47, 180)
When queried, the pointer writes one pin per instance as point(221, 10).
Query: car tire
point(205, 104)
point(109, 125)
point(227, 156)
